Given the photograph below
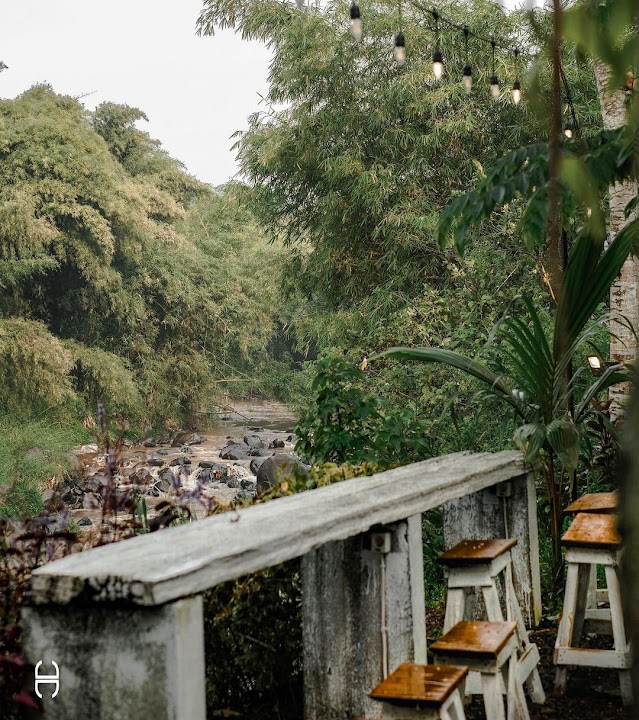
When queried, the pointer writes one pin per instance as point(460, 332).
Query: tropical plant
point(344, 424)
point(533, 374)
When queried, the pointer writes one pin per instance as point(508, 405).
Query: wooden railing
point(123, 622)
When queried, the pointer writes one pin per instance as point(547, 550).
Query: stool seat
point(489, 649)
point(475, 552)
point(481, 638)
point(594, 503)
point(427, 685)
point(593, 530)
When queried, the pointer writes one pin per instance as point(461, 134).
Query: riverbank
point(190, 470)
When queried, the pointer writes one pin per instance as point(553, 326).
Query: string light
point(494, 82)
point(438, 60)
point(516, 84)
point(468, 72)
point(400, 43)
point(571, 129)
point(356, 23)
point(400, 48)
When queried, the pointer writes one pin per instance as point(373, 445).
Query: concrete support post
point(508, 510)
point(342, 618)
point(120, 662)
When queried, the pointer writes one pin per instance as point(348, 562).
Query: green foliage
point(343, 424)
point(97, 374)
point(253, 627)
point(354, 158)
point(33, 454)
point(122, 278)
point(34, 367)
point(549, 395)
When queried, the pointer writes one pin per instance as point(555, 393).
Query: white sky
point(195, 91)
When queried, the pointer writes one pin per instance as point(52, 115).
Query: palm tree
point(538, 386)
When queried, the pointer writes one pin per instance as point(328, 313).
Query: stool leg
point(618, 629)
point(564, 633)
point(584, 575)
point(592, 589)
point(572, 617)
point(455, 607)
point(493, 699)
point(491, 600)
point(456, 710)
point(533, 681)
point(516, 696)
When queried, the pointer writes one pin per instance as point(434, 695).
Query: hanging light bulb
point(356, 23)
point(400, 48)
point(568, 131)
point(494, 82)
point(438, 64)
point(516, 84)
point(516, 92)
point(468, 78)
point(494, 86)
point(438, 60)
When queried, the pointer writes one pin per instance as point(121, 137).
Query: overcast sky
point(195, 91)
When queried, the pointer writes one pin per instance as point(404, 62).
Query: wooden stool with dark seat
point(423, 692)
point(489, 648)
point(477, 564)
point(591, 540)
point(604, 502)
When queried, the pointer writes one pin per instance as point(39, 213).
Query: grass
point(32, 455)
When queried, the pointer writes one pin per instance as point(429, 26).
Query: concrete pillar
point(120, 662)
point(342, 619)
point(508, 510)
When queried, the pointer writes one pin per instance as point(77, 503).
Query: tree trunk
point(624, 293)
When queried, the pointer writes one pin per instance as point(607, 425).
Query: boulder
point(182, 460)
point(249, 485)
point(235, 451)
point(256, 429)
point(141, 476)
point(165, 481)
point(260, 452)
point(155, 462)
point(86, 520)
point(254, 441)
point(187, 438)
point(277, 444)
point(279, 467)
point(255, 464)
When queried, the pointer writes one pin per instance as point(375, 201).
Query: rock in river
point(278, 467)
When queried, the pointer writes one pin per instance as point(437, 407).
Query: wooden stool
point(592, 540)
point(477, 564)
point(605, 502)
point(489, 648)
point(424, 692)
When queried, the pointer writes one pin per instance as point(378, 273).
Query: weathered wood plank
point(182, 561)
